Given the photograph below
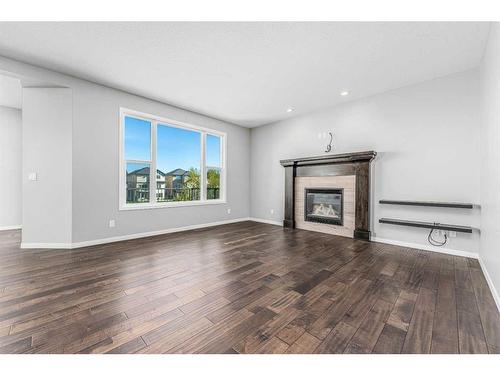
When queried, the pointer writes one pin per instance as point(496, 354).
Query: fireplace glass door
point(324, 206)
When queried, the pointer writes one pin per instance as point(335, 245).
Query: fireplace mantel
point(351, 157)
point(349, 164)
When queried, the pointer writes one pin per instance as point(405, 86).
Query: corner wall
point(490, 160)
point(427, 140)
point(47, 134)
point(10, 168)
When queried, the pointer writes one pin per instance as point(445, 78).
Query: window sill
point(150, 206)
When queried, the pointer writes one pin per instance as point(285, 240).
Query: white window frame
point(154, 120)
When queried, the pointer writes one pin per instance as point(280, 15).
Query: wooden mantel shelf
point(363, 156)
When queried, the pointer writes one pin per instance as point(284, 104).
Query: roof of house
point(176, 172)
point(145, 171)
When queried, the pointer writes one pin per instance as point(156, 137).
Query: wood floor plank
point(470, 333)
point(367, 335)
point(305, 344)
point(419, 335)
point(402, 311)
point(390, 341)
point(337, 339)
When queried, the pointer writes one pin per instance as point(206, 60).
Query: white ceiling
point(249, 73)
point(10, 92)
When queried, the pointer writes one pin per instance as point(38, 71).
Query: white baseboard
point(45, 245)
point(493, 290)
point(106, 240)
point(266, 221)
point(10, 227)
point(442, 250)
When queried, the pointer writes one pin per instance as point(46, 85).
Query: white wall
point(95, 160)
point(490, 157)
point(47, 136)
point(427, 141)
point(10, 167)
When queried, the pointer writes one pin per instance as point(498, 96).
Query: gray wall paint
point(47, 135)
point(10, 167)
point(95, 160)
point(427, 141)
point(490, 157)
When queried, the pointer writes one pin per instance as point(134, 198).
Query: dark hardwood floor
point(243, 288)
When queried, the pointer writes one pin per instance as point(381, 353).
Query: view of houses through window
point(178, 162)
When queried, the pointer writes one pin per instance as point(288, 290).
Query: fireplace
point(350, 172)
point(324, 206)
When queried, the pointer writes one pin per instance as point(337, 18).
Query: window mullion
point(153, 168)
point(222, 173)
point(203, 172)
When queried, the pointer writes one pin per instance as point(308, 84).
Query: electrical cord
point(433, 242)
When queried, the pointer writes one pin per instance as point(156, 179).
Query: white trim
point(203, 167)
point(45, 245)
point(169, 122)
point(11, 227)
point(266, 221)
point(126, 237)
point(154, 120)
point(493, 290)
point(153, 168)
point(150, 206)
point(441, 250)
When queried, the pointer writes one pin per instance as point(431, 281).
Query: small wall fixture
point(289, 110)
point(344, 93)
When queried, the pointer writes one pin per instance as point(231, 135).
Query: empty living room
point(232, 185)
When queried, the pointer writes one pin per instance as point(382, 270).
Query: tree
point(191, 185)
point(192, 180)
point(213, 178)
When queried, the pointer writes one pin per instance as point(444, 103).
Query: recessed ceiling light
point(289, 110)
point(344, 93)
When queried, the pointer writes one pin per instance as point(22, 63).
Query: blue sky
point(176, 148)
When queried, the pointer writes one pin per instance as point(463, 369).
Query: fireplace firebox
point(324, 206)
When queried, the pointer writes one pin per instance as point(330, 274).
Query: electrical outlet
point(452, 234)
point(228, 211)
point(112, 223)
point(272, 211)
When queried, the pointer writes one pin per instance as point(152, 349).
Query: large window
point(167, 163)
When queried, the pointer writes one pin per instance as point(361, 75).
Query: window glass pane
point(178, 162)
point(137, 139)
point(138, 183)
point(213, 183)
point(213, 160)
point(213, 151)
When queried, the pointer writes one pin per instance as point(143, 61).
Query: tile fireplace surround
point(350, 172)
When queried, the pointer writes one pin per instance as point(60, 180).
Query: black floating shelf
point(423, 224)
point(429, 204)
